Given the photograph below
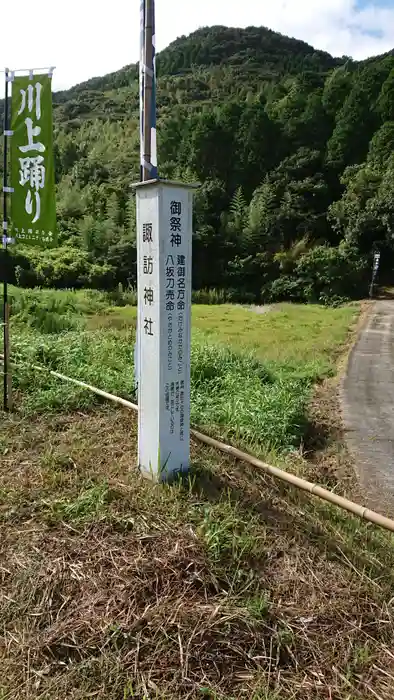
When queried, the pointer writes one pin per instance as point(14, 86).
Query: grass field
point(226, 585)
point(252, 374)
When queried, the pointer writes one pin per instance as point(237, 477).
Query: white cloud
point(84, 38)
point(336, 26)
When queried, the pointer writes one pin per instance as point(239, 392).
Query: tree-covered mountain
point(293, 150)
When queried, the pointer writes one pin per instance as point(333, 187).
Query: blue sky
point(84, 38)
point(376, 3)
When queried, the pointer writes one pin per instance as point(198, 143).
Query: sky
point(86, 38)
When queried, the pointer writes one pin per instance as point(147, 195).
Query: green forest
point(293, 149)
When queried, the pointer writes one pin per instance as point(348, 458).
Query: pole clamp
point(147, 70)
point(146, 165)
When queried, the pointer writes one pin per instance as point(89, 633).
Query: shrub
point(122, 297)
point(331, 274)
point(285, 288)
point(324, 275)
point(62, 268)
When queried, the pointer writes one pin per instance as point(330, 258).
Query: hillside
point(190, 64)
point(292, 147)
point(256, 47)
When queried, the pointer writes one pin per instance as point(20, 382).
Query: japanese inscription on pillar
point(148, 267)
point(177, 328)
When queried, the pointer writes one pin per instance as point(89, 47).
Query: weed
point(258, 606)
point(227, 534)
point(90, 503)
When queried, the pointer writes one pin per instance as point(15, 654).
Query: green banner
point(33, 206)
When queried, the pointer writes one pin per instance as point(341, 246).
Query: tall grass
point(92, 301)
point(86, 301)
point(244, 399)
point(49, 311)
point(258, 400)
point(128, 296)
point(102, 358)
point(232, 395)
point(222, 296)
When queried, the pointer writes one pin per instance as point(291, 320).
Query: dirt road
point(368, 407)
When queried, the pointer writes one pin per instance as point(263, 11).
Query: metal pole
point(148, 82)
point(375, 268)
point(371, 286)
point(141, 82)
point(27, 70)
point(5, 236)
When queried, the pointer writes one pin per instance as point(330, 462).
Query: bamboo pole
point(298, 482)
point(302, 484)
point(7, 374)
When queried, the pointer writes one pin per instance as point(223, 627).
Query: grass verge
point(226, 585)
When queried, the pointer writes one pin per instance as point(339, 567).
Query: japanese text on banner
point(33, 208)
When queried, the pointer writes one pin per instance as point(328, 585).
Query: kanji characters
point(148, 295)
point(176, 239)
point(32, 131)
point(30, 99)
point(32, 171)
point(175, 223)
point(148, 323)
point(148, 264)
point(32, 167)
point(176, 208)
point(147, 233)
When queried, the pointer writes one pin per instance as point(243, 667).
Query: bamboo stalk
point(299, 483)
point(302, 484)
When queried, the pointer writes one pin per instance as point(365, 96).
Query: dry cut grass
point(225, 586)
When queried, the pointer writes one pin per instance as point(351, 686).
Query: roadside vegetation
point(224, 585)
point(252, 373)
